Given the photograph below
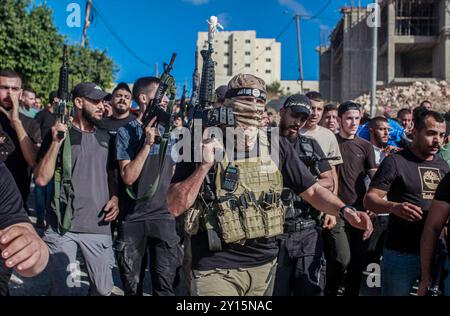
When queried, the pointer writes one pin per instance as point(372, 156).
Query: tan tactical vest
point(251, 211)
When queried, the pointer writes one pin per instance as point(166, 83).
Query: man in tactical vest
point(85, 195)
point(300, 265)
point(235, 209)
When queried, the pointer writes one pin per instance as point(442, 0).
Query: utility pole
point(299, 44)
point(87, 23)
point(373, 99)
point(156, 70)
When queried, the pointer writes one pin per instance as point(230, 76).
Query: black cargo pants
point(159, 237)
point(301, 267)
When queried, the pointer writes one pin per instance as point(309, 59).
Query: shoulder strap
point(163, 146)
point(63, 180)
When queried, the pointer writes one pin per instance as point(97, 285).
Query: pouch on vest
point(252, 216)
point(229, 219)
point(273, 214)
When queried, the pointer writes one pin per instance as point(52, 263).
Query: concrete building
point(241, 52)
point(293, 86)
point(413, 45)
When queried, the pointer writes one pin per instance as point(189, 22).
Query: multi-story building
point(241, 52)
point(413, 45)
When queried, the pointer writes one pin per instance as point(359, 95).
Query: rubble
point(398, 97)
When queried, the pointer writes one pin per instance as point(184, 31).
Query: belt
point(299, 225)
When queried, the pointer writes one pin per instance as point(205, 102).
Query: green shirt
point(444, 153)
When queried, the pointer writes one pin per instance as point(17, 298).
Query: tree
point(275, 88)
point(31, 45)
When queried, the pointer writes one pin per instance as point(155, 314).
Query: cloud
point(197, 2)
point(294, 6)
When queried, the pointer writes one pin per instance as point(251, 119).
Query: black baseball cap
point(122, 86)
point(298, 103)
point(88, 90)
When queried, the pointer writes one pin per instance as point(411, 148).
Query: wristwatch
point(341, 210)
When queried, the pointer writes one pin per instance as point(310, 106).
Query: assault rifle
point(63, 107)
point(167, 83)
point(204, 108)
point(312, 162)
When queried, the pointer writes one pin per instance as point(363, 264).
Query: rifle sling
point(63, 175)
point(162, 158)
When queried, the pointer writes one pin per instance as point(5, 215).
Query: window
point(268, 48)
point(268, 60)
point(268, 71)
point(247, 65)
point(226, 66)
point(247, 53)
point(226, 54)
point(226, 42)
point(247, 41)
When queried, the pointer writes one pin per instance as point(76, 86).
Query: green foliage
point(31, 45)
point(275, 88)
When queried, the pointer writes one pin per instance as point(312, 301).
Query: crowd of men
point(303, 210)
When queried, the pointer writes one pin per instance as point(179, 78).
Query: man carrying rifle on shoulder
point(147, 223)
point(85, 195)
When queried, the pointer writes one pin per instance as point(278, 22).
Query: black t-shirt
point(254, 252)
point(112, 124)
point(407, 178)
point(46, 120)
point(299, 146)
point(16, 162)
point(358, 157)
point(11, 205)
point(443, 190)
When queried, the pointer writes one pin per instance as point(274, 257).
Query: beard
point(121, 110)
point(90, 118)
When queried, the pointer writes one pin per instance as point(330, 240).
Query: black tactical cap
point(88, 90)
point(298, 103)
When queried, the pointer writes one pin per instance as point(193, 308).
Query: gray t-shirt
point(91, 159)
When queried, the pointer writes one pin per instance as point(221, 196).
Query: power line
point(118, 38)
point(270, 45)
point(321, 10)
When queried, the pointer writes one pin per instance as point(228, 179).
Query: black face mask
point(6, 146)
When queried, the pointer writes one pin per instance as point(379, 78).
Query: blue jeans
point(447, 279)
point(399, 272)
point(42, 198)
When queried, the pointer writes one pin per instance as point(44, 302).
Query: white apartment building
point(241, 52)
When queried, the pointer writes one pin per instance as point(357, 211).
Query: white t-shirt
point(327, 141)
